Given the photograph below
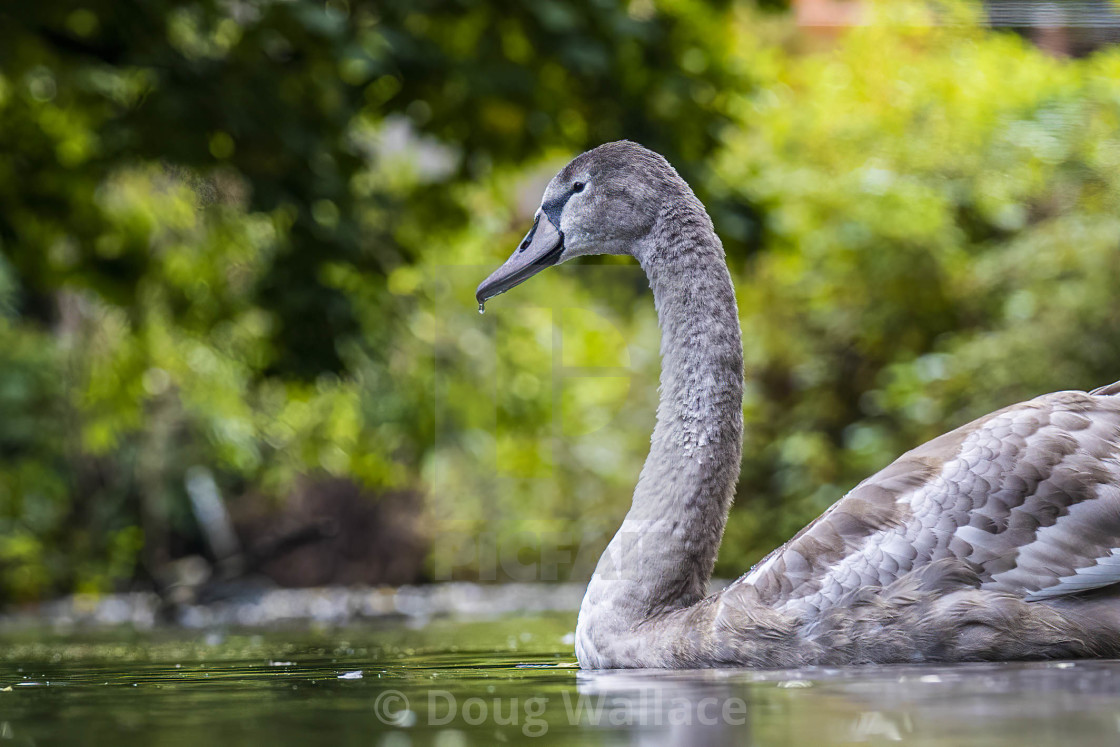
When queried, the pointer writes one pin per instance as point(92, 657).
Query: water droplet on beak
point(481, 307)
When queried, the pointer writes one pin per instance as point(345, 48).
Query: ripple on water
point(512, 680)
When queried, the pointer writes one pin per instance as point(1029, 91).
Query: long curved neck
point(661, 558)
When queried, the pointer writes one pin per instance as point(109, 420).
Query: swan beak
point(541, 248)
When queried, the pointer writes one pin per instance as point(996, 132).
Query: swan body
point(998, 540)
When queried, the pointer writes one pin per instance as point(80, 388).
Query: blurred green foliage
point(942, 234)
point(247, 236)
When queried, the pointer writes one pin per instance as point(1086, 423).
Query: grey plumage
point(998, 540)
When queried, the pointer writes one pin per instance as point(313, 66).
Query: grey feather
point(1108, 390)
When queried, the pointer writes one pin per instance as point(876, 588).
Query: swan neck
point(695, 454)
point(661, 559)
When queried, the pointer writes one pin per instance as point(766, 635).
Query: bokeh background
point(239, 242)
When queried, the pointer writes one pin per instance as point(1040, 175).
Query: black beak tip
point(487, 289)
point(540, 249)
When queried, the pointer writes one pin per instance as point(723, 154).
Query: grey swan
point(999, 540)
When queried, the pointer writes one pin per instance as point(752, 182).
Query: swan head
point(606, 201)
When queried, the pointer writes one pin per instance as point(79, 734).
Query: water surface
point(505, 682)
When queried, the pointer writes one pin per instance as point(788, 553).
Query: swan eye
point(578, 187)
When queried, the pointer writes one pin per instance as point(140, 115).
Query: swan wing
point(1107, 391)
point(1028, 497)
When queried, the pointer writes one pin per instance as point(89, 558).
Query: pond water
point(509, 681)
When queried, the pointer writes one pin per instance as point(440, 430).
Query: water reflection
point(1033, 703)
point(512, 681)
point(668, 708)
